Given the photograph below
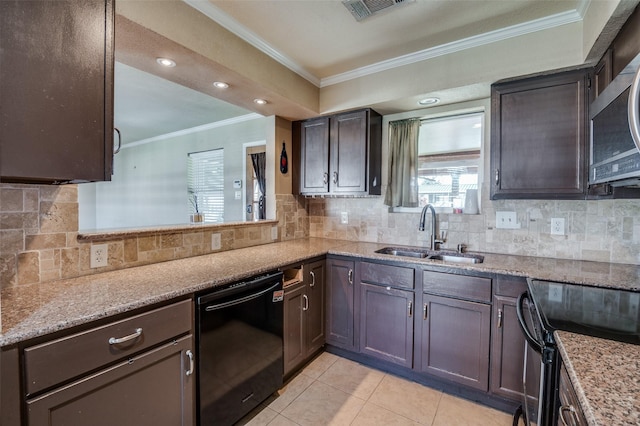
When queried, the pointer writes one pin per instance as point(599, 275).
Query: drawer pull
point(191, 362)
point(118, 340)
point(425, 311)
point(410, 307)
point(499, 318)
point(350, 276)
point(305, 299)
point(313, 279)
point(572, 412)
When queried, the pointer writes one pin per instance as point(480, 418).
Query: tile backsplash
point(39, 231)
point(39, 236)
point(598, 230)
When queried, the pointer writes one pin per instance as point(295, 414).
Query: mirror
point(161, 123)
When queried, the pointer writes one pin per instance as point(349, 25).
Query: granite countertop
point(599, 274)
point(605, 375)
point(36, 310)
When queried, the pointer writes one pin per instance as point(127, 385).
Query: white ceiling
point(322, 41)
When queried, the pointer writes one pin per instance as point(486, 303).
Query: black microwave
point(615, 134)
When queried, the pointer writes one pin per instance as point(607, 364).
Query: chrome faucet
point(423, 215)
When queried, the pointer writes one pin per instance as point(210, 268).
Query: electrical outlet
point(215, 242)
point(274, 232)
point(344, 218)
point(507, 220)
point(557, 226)
point(555, 293)
point(99, 255)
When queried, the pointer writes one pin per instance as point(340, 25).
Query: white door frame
point(244, 171)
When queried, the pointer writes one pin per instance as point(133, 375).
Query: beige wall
point(545, 50)
point(599, 230)
point(253, 74)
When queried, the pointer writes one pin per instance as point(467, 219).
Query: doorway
point(252, 192)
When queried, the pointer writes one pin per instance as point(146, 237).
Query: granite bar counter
point(606, 377)
point(35, 310)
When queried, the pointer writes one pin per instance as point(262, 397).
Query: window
point(205, 184)
point(448, 159)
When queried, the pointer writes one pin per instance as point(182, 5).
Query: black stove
point(548, 306)
point(595, 311)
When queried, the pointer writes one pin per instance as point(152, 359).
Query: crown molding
point(196, 129)
point(215, 14)
point(456, 46)
point(541, 24)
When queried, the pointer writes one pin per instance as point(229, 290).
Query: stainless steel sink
point(458, 257)
point(421, 253)
point(407, 252)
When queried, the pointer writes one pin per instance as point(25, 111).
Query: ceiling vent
point(361, 9)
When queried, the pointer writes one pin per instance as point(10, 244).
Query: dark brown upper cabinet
point(539, 137)
point(56, 91)
point(339, 154)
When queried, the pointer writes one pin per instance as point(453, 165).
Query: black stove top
point(595, 311)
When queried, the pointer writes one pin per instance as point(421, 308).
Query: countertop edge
point(575, 382)
point(29, 319)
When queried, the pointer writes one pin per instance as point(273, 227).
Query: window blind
point(205, 176)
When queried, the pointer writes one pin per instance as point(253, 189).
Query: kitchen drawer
point(460, 286)
point(53, 362)
point(394, 276)
point(570, 411)
point(510, 286)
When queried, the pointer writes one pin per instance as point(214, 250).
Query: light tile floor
point(335, 391)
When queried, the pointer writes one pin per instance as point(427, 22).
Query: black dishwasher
point(240, 350)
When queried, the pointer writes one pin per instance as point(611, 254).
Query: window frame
point(212, 188)
point(448, 157)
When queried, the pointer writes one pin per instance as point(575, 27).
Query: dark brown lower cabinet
point(341, 303)
point(315, 309)
point(386, 323)
point(455, 340)
point(507, 357)
point(304, 321)
point(507, 342)
point(294, 345)
point(570, 410)
point(149, 389)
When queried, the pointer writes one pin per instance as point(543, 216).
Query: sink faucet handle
point(461, 248)
point(443, 236)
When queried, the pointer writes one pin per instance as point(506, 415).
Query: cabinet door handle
point(410, 309)
point(335, 177)
point(313, 279)
point(117, 150)
point(351, 276)
point(497, 176)
point(499, 318)
point(132, 336)
point(325, 178)
point(305, 307)
point(571, 410)
point(424, 311)
point(189, 355)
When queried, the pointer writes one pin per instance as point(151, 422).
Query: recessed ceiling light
point(428, 101)
point(166, 62)
point(220, 84)
point(260, 101)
